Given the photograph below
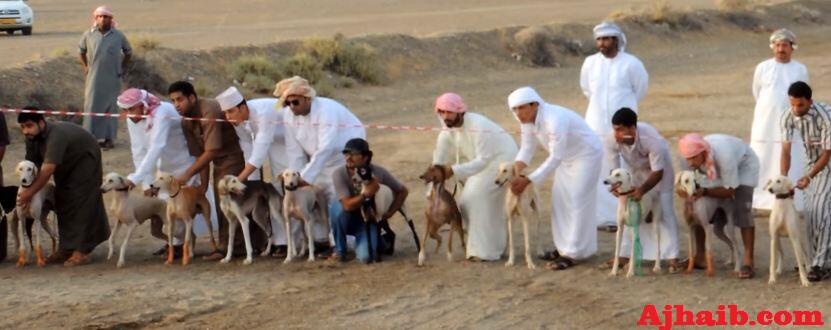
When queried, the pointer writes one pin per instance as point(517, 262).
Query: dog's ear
point(678, 178)
point(767, 184)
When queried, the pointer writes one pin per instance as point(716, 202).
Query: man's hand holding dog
point(25, 197)
point(803, 182)
point(519, 184)
point(371, 189)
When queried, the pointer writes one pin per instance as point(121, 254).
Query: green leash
point(632, 219)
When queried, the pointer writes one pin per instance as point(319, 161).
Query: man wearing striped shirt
point(812, 122)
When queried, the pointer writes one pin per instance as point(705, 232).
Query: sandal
point(562, 263)
point(608, 264)
point(77, 259)
point(215, 255)
point(686, 261)
point(746, 272)
point(674, 268)
point(550, 255)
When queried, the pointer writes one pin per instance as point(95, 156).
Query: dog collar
point(177, 192)
point(784, 196)
point(290, 189)
point(123, 189)
point(626, 193)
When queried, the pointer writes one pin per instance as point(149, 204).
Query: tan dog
point(237, 200)
point(38, 209)
point(441, 210)
point(307, 204)
point(526, 207)
point(785, 221)
point(130, 210)
point(701, 213)
point(184, 203)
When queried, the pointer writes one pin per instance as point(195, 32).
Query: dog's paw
point(657, 270)
point(771, 280)
point(247, 261)
point(805, 282)
point(287, 261)
point(710, 273)
point(613, 273)
point(120, 264)
point(630, 274)
point(110, 255)
point(225, 260)
point(532, 266)
point(41, 262)
point(510, 263)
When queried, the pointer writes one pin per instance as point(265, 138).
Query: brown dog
point(441, 210)
point(184, 203)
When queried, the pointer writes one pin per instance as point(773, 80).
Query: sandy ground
point(699, 82)
point(185, 25)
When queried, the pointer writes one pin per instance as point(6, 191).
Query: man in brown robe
point(72, 155)
point(211, 142)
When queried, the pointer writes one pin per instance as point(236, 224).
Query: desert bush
point(344, 57)
point(59, 52)
point(534, 44)
point(144, 41)
point(732, 5)
point(256, 73)
point(304, 65)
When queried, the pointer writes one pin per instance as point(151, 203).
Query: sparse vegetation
point(327, 63)
point(658, 12)
point(534, 45)
point(59, 52)
point(144, 41)
point(732, 5)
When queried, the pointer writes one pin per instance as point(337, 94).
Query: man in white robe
point(575, 155)
point(611, 79)
point(646, 155)
point(770, 89)
point(475, 146)
point(258, 124)
point(316, 130)
point(158, 143)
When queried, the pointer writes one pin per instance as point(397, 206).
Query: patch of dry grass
point(144, 41)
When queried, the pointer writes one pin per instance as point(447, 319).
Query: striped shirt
point(814, 127)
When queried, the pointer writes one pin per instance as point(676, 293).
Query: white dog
point(650, 203)
point(785, 221)
point(526, 207)
point(702, 211)
point(237, 200)
point(307, 204)
point(130, 210)
point(38, 209)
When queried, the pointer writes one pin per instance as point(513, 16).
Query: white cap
point(522, 96)
point(230, 98)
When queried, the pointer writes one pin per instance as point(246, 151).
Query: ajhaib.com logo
point(725, 315)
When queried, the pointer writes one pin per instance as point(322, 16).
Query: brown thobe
point(82, 218)
point(222, 138)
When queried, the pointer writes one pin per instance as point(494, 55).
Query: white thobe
point(575, 155)
point(261, 137)
point(649, 153)
point(610, 84)
point(314, 143)
point(770, 89)
point(163, 147)
point(477, 148)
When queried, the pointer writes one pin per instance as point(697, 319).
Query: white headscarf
point(522, 96)
point(610, 29)
point(783, 34)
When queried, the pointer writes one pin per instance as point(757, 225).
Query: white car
point(16, 15)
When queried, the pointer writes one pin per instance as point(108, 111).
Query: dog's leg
point(618, 241)
point(130, 226)
point(781, 255)
point(422, 255)
point(187, 248)
point(232, 231)
point(510, 221)
point(774, 242)
point(40, 260)
point(795, 234)
point(171, 222)
point(290, 248)
point(309, 237)
point(21, 244)
point(630, 271)
point(246, 234)
point(450, 241)
point(48, 228)
point(114, 232)
point(206, 215)
point(708, 238)
point(528, 260)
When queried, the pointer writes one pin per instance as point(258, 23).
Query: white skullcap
point(610, 29)
point(522, 96)
point(783, 34)
point(229, 99)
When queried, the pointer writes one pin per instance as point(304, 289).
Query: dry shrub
point(59, 52)
point(144, 41)
point(344, 57)
point(732, 5)
point(256, 73)
point(534, 44)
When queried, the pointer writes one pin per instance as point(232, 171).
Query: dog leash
point(633, 218)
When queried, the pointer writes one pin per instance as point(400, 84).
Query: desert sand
point(699, 81)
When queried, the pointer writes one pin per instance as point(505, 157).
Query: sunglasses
point(289, 103)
